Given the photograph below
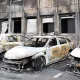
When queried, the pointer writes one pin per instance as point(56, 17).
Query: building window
point(48, 25)
point(2, 1)
point(68, 24)
point(4, 27)
point(31, 26)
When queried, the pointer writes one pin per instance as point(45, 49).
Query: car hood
point(76, 52)
point(20, 52)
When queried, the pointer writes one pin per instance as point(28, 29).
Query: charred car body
point(75, 60)
point(8, 41)
point(38, 51)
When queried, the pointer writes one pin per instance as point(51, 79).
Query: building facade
point(40, 16)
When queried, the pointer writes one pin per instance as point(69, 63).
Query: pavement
point(57, 71)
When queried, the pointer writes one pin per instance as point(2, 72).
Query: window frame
point(3, 1)
point(68, 40)
point(52, 45)
point(67, 18)
point(11, 38)
point(62, 38)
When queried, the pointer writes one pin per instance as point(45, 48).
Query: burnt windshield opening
point(36, 42)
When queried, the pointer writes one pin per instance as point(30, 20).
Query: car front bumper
point(18, 62)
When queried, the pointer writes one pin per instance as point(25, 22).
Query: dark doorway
point(64, 26)
point(48, 27)
point(45, 27)
point(17, 26)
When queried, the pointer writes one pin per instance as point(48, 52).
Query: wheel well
point(70, 50)
point(37, 62)
point(38, 55)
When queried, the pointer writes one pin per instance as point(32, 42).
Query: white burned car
point(75, 60)
point(38, 51)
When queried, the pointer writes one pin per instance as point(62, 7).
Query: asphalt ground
point(56, 71)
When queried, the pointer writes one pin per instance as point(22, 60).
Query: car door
point(53, 52)
point(64, 47)
point(71, 44)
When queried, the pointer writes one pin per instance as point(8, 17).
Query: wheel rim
point(39, 63)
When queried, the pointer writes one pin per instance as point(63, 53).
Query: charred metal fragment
point(17, 65)
point(74, 61)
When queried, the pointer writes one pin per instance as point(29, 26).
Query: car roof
point(46, 36)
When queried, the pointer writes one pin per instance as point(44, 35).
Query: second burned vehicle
point(8, 41)
point(38, 51)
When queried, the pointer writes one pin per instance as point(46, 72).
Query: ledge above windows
point(16, 0)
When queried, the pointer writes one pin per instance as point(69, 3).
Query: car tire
point(39, 63)
point(2, 55)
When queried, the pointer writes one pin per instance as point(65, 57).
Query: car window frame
point(64, 39)
point(50, 40)
point(38, 37)
point(68, 40)
point(7, 38)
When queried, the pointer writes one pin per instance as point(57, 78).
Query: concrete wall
point(4, 10)
point(16, 9)
point(30, 7)
point(46, 7)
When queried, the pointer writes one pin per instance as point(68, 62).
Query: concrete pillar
point(23, 21)
point(39, 25)
point(9, 20)
point(12, 25)
point(23, 25)
point(77, 20)
point(56, 22)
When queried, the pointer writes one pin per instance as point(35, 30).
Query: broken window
point(48, 25)
point(1, 1)
point(67, 24)
point(31, 26)
point(53, 42)
point(62, 40)
point(12, 39)
point(4, 27)
point(36, 42)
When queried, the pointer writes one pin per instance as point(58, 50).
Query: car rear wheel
point(39, 62)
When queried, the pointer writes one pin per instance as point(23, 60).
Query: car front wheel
point(39, 62)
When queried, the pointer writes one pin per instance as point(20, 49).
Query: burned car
point(38, 51)
point(8, 41)
point(74, 57)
